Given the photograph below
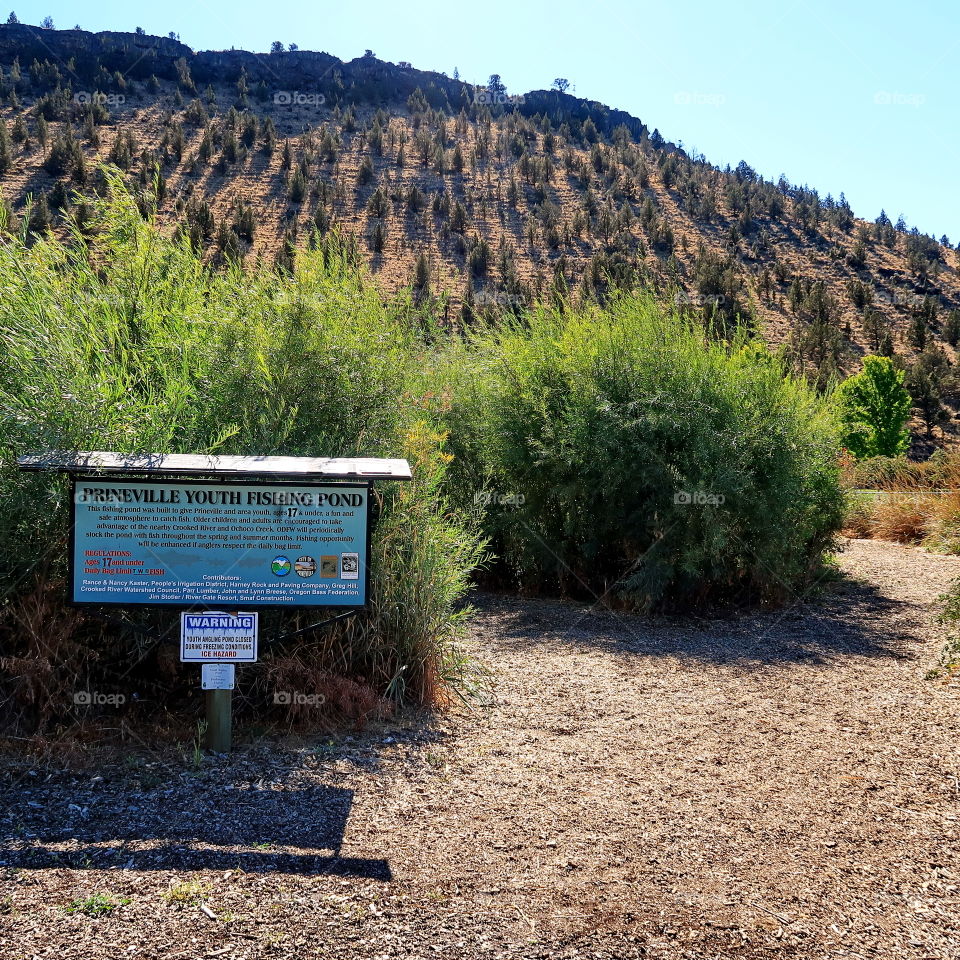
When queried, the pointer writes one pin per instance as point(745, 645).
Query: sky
point(844, 96)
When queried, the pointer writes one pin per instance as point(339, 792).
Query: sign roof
point(98, 461)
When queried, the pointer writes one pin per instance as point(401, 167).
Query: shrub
point(858, 516)
point(127, 341)
point(623, 455)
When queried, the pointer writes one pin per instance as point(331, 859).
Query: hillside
point(483, 200)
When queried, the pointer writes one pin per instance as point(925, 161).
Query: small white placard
point(217, 676)
point(218, 637)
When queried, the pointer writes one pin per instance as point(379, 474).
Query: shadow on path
point(845, 618)
point(210, 827)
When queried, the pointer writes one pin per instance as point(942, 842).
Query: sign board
point(212, 636)
point(217, 676)
point(220, 544)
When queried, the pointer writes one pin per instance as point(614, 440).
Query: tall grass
point(121, 338)
point(892, 498)
point(622, 454)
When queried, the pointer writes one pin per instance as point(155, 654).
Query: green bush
point(127, 341)
point(621, 454)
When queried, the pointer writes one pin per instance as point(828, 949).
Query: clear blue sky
point(860, 96)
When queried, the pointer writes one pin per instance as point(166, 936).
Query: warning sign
point(215, 637)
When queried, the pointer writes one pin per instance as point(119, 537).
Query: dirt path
point(784, 784)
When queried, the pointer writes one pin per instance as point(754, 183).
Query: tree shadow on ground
point(202, 826)
point(840, 619)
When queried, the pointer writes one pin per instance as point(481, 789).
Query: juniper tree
point(378, 238)
point(65, 154)
point(365, 172)
point(231, 149)
point(269, 135)
point(297, 187)
point(39, 219)
point(421, 277)
point(58, 198)
point(917, 335)
point(6, 154)
point(321, 220)
point(20, 133)
point(250, 130)
point(183, 75)
point(951, 328)
point(378, 205)
point(244, 221)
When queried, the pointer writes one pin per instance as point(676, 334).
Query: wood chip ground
point(776, 784)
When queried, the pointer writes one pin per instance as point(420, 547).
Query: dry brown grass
point(907, 517)
point(901, 519)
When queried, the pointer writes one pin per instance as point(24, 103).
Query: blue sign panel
point(225, 545)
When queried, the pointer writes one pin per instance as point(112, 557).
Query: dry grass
point(930, 519)
point(903, 520)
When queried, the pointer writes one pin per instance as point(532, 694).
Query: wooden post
point(219, 720)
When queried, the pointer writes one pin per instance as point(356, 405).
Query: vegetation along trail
point(778, 784)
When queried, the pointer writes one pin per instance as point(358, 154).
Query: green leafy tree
point(874, 406)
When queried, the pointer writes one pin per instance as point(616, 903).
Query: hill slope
point(484, 201)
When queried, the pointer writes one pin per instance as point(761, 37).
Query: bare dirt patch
point(781, 784)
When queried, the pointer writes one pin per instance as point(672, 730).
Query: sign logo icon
point(350, 566)
point(329, 565)
point(306, 567)
point(280, 566)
